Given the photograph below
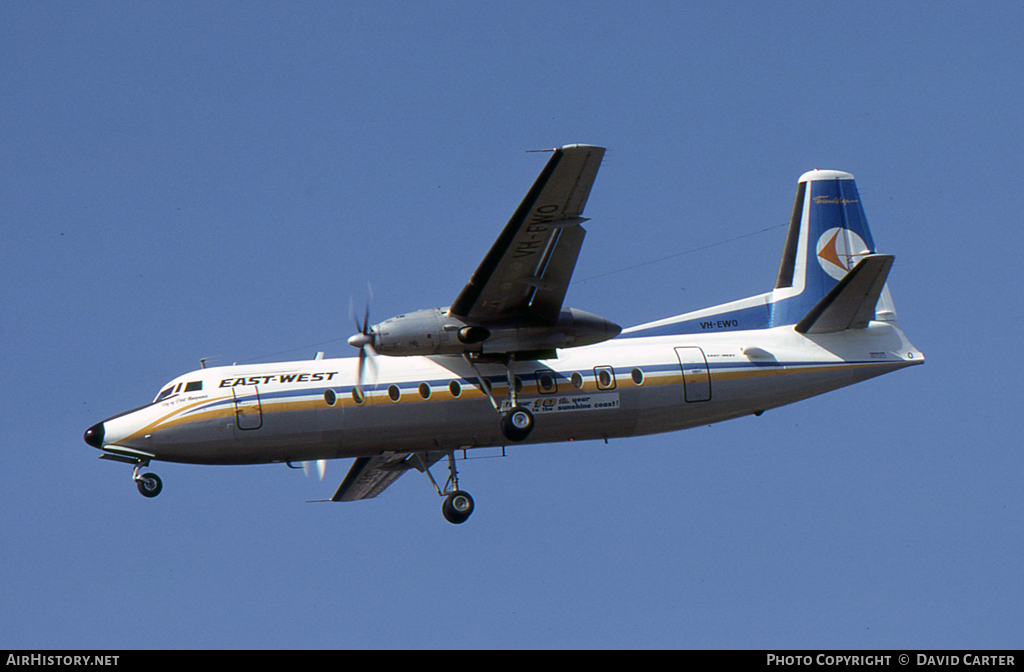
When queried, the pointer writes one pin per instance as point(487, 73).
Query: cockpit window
point(163, 395)
point(194, 387)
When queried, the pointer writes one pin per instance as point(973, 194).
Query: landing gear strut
point(517, 421)
point(458, 505)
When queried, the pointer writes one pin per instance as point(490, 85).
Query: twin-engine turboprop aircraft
point(507, 363)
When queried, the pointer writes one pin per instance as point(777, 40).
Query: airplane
point(507, 364)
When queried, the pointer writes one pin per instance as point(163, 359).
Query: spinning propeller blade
point(321, 467)
point(363, 339)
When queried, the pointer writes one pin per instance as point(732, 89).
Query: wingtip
point(565, 148)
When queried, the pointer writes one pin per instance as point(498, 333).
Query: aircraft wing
point(527, 271)
point(370, 476)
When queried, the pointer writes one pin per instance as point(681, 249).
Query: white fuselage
point(628, 386)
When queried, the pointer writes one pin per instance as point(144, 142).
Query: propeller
point(363, 339)
point(321, 467)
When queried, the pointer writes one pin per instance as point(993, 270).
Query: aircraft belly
point(740, 391)
point(796, 383)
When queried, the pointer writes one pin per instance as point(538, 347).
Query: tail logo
point(838, 250)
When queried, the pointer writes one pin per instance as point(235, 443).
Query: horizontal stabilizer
point(851, 303)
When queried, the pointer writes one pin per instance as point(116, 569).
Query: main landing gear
point(517, 421)
point(458, 504)
point(457, 507)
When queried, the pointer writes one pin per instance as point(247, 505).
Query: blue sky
point(185, 180)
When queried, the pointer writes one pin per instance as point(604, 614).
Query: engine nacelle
point(435, 332)
point(418, 333)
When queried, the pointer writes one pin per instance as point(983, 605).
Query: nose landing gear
point(149, 484)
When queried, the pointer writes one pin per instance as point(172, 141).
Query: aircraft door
point(696, 376)
point(248, 410)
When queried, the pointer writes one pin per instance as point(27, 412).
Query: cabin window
point(425, 390)
point(455, 388)
point(519, 384)
point(576, 380)
point(357, 396)
point(330, 397)
point(394, 392)
point(194, 386)
point(546, 382)
point(638, 376)
point(605, 377)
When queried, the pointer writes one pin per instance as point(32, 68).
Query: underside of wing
point(526, 273)
point(370, 476)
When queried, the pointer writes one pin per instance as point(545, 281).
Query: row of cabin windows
point(546, 384)
point(194, 386)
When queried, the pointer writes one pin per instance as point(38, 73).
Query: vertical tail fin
point(828, 235)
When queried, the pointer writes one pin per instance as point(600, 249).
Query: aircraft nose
point(94, 435)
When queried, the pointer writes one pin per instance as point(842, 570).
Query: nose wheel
point(149, 484)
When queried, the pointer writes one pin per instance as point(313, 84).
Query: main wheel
point(457, 507)
point(517, 423)
point(149, 485)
